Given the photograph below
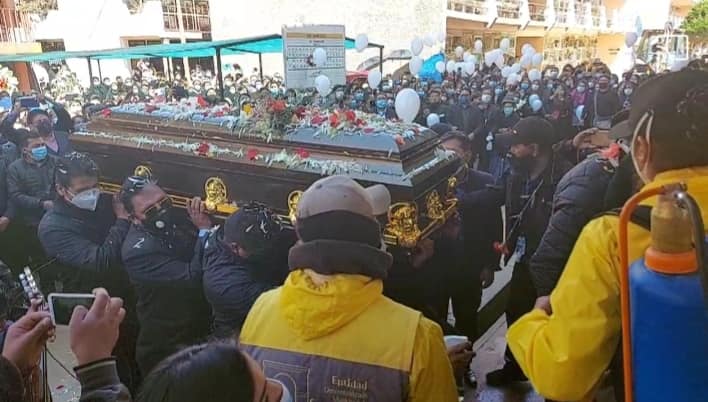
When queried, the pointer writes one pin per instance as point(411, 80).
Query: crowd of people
point(188, 310)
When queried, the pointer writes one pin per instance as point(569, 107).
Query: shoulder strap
point(641, 215)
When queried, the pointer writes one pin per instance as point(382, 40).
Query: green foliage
point(696, 22)
point(40, 7)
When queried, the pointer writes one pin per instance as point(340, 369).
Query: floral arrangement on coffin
point(268, 118)
point(8, 81)
point(192, 109)
point(351, 122)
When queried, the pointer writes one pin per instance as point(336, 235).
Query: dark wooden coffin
point(225, 165)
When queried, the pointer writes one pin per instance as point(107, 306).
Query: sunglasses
point(164, 203)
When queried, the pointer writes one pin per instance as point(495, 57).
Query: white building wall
point(392, 23)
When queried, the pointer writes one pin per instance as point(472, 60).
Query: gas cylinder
point(669, 315)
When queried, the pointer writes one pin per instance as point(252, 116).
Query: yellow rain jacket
point(565, 354)
point(338, 338)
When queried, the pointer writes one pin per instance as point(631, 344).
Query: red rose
point(400, 140)
point(300, 112)
point(106, 112)
point(333, 120)
point(279, 106)
point(350, 115)
point(368, 130)
point(317, 120)
point(203, 149)
point(302, 153)
point(201, 102)
point(360, 122)
point(150, 108)
point(252, 154)
point(219, 113)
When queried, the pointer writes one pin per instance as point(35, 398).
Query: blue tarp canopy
point(255, 45)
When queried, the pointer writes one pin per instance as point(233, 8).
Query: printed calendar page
point(299, 43)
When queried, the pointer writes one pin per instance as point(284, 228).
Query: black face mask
point(520, 165)
point(160, 220)
point(45, 127)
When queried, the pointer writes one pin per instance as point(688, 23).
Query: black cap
point(661, 98)
point(620, 126)
point(252, 227)
point(529, 130)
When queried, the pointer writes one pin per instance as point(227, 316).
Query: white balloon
point(515, 68)
point(532, 98)
point(432, 119)
point(469, 68)
point(537, 59)
point(525, 48)
point(505, 71)
point(534, 75)
point(459, 51)
point(500, 58)
point(490, 57)
point(513, 79)
point(319, 57)
point(529, 50)
point(429, 40)
point(579, 112)
point(416, 46)
point(478, 46)
point(450, 66)
point(441, 36)
point(415, 65)
point(323, 85)
point(505, 44)
point(536, 105)
point(440, 67)
point(526, 61)
point(407, 105)
point(630, 38)
point(374, 78)
point(466, 56)
point(361, 42)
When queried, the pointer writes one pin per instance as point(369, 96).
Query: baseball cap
point(660, 98)
point(529, 130)
point(619, 126)
point(252, 226)
point(340, 193)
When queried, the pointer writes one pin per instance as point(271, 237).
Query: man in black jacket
point(527, 197)
point(30, 179)
point(84, 231)
point(241, 264)
point(164, 263)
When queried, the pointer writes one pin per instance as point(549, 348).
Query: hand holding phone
point(62, 305)
point(93, 332)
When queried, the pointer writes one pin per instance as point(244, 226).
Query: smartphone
point(28, 102)
point(61, 305)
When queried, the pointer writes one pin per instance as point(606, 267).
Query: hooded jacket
point(566, 353)
point(337, 337)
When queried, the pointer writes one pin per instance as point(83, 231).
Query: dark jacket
point(63, 144)
point(7, 208)
point(465, 118)
point(232, 284)
point(481, 221)
point(87, 245)
point(29, 185)
point(167, 277)
point(100, 383)
point(578, 198)
point(608, 103)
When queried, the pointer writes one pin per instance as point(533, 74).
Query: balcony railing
point(15, 26)
point(476, 7)
point(191, 22)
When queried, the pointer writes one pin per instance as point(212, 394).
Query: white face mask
point(87, 199)
point(647, 119)
point(286, 397)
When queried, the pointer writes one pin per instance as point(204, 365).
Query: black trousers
point(522, 297)
point(466, 295)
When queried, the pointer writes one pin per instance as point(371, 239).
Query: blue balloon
point(536, 105)
point(6, 103)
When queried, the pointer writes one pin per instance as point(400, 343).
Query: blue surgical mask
point(498, 91)
point(354, 104)
point(421, 94)
point(508, 110)
point(359, 96)
point(534, 87)
point(550, 86)
point(464, 100)
point(40, 153)
point(87, 199)
point(524, 85)
point(381, 104)
point(492, 84)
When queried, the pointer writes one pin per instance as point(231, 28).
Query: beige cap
point(340, 193)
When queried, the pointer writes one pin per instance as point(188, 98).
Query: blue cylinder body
point(669, 336)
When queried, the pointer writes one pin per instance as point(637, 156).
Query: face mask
point(286, 397)
point(591, 85)
point(96, 82)
point(339, 95)
point(354, 104)
point(498, 91)
point(274, 91)
point(390, 102)
point(492, 84)
point(486, 98)
point(581, 89)
point(87, 199)
point(464, 100)
point(45, 127)
point(40, 153)
point(549, 86)
point(160, 222)
point(359, 96)
point(381, 104)
point(534, 87)
point(136, 90)
point(603, 87)
point(421, 94)
point(508, 111)
point(553, 74)
point(232, 90)
point(524, 85)
point(649, 121)
point(569, 84)
point(628, 91)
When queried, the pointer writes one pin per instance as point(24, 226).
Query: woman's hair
point(213, 372)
